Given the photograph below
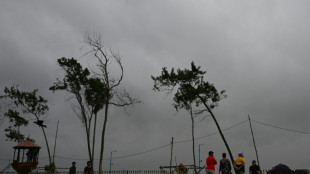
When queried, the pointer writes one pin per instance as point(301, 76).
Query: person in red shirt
point(211, 162)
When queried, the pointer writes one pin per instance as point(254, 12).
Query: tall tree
point(89, 94)
point(28, 103)
point(191, 89)
point(113, 95)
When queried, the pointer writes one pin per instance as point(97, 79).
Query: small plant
point(50, 168)
point(182, 169)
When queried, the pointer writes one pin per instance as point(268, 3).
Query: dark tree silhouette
point(29, 104)
point(191, 90)
point(89, 94)
point(113, 95)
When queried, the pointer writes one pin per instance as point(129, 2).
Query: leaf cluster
point(50, 168)
point(75, 77)
point(95, 94)
point(191, 87)
point(15, 118)
point(13, 134)
point(28, 103)
point(90, 92)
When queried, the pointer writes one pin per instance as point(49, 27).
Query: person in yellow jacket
point(239, 163)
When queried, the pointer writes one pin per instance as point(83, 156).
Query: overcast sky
point(258, 51)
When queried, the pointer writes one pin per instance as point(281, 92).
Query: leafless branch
point(124, 99)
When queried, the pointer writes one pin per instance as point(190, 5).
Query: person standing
point(239, 164)
point(211, 162)
point(72, 168)
point(88, 169)
point(225, 166)
point(254, 169)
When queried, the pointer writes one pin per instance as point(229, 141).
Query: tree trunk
point(219, 129)
point(193, 139)
point(48, 148)
point(94, 140)
point(102, 137)
point(88, 139)
point(87, 124)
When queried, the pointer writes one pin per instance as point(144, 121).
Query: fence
point(107, 172)
point(297, 171)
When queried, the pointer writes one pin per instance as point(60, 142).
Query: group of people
point(225, 165)
point(32, 155)
point(87, 170)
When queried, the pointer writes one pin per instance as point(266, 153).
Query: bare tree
point(114, 95)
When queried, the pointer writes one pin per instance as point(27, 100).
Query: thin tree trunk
point(193, 138)
point(94, 139)
point(48, 148)
point(171, 154)
point(219, 129)
point(103, 136)
point(87, 124)
point(88, 140)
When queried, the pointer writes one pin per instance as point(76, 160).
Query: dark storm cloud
point(257, 51)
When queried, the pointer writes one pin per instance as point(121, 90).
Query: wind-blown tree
point(113, 95)
point(89, 94)
point(30, 105)
point(13, 131)
point(191, 88)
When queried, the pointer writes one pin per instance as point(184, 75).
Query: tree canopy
point(30, 105)
point(191, 88)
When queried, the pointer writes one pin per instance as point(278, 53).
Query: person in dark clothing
point(225, 166)
point(254, 169)
point(88, 169)
point(30, 155)
point(72, 168)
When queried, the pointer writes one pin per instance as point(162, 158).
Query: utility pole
point(253, 140)
point(199, 158)
point(111, 160)
point(55, 142)
point(171, 154)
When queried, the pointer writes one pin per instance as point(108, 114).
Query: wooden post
point(253, 140)
point(14, 154)
point(18, 155)
point(55, 142)
point(171, 154)
point(23, 155)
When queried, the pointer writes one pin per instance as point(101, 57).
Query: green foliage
point(50, 168)
point(191, 87)
point(95, 93)
point(77, 81)
point(13, 134)
point(91, 94)
point(182, 167)
point(15, 118)
point(18, 121)
point(75, 77)
point(28, 102)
